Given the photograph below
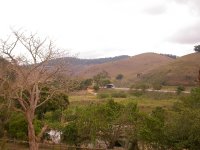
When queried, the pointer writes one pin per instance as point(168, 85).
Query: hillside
point(182, 71)
point(130, 67)
point(76, 65)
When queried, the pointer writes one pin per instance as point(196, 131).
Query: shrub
point(143, 87)
point(96, 87)
point(157, 86)
point(159, 95)
point(70, 134)
point(17, 127)
point(136, 93)
point(103, 95)
point(120, 94)
point(180, 89)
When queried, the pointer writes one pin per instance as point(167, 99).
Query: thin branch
point(48, 98)
point(18, 110)
point(43, 130)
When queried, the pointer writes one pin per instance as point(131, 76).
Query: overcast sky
point(104, 28)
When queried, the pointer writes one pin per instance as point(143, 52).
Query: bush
point(103, 95)
point(120, 94)
point(157, 86)
point(136, 93)
point(143, 87)
point(17, 127)
point(85, 83)
point(96, 87)
point(180, 89)
point(160, 96)
point(70, 134)
point(193, 100)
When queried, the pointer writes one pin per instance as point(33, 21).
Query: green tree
point(106, 122)
point(197, 48)
point(82, 126)
point(193, 100)
point(70, 134)
point(85, 83)
point(17, 126)
point(119, 77)
point(58, 101)
point(101, 79)
point(180, 89)
point(152, 128)
point(175, 129)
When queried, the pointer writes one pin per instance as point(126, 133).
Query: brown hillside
point(183, 71)
point(139, 64)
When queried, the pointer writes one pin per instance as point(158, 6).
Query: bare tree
point(28, 57)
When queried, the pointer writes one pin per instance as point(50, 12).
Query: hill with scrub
point(131, 68)
point(182, 71)
point(76, 65)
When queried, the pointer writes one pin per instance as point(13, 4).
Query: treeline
point(79, 61)
point(170, 56)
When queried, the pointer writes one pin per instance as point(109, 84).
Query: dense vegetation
point(113, 123)
point(34, 100)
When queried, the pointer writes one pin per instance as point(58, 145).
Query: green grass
point(173, 88)
point(146, 102)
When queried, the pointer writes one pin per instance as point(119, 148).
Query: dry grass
point(183, 71)
point(130, 67)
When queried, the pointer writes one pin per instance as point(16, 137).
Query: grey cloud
point(156, 10)
point(189, 35)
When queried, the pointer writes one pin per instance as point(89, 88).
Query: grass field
point(146, 102)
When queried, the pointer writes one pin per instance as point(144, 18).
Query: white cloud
point(193, 5)
point(95, 28)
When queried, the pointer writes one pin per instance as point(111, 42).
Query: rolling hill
point(182, 71)
point(130, 67)
point(76, 65)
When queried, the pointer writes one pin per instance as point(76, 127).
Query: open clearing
point(145, 103)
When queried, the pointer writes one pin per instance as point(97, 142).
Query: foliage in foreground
point(177, 128)
point(112, 122)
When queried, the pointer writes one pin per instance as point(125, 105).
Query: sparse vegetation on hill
point(197, 48)
point(170, 55)
point(182, 71)
point(130, 67)
point(76, 65)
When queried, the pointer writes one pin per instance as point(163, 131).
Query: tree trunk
point(134, 145)
point(33, 145)
point(111, 145)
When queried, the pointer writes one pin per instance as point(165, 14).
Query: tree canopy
point(24, 73)
point(197, 48)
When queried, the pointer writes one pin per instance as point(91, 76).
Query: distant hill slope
point(130, 67)
point(75, 65)
point(182, 71)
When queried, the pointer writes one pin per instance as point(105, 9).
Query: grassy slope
point(130, 67)
point(183, 71)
